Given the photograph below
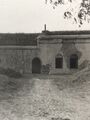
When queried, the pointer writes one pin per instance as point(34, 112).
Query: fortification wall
point(19, 59)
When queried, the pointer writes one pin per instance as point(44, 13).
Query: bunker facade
point(49, 52)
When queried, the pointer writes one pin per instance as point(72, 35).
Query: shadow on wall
point(69, 49)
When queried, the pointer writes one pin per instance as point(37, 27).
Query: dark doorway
point(74, 61)
point(59, 62)
point(36, 66)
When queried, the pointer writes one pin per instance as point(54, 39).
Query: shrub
point(10, 72)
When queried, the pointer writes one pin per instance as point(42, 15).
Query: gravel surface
point(44, 98)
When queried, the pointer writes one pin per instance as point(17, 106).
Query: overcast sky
point(31, 15)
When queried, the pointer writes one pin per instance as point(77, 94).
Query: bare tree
point(78, 10)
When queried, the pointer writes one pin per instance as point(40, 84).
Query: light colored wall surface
point(50, 48)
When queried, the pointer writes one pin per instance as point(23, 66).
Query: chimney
point(45, 31)
point(45, 27)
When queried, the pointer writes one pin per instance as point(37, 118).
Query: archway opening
point(74, 61)
point(36, 66)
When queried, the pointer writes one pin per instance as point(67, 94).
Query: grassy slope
point(45, 98)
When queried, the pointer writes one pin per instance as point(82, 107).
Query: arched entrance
point(36, 66)
point(74, 61)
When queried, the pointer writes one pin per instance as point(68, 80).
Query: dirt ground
point(44, 97)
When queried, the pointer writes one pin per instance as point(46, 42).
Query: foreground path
point(44, 101)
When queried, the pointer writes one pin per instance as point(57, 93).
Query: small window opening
point(74, 61)
point(59, 62)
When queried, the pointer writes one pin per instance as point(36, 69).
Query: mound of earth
point(82, 75)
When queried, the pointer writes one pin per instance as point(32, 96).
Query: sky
point(29, 16)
